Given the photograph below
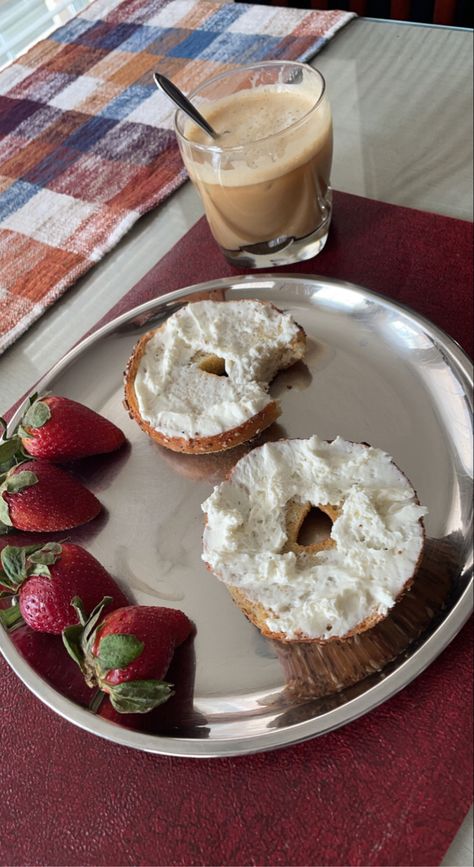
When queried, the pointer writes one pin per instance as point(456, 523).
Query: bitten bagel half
point(334, 588)
point(199, 382)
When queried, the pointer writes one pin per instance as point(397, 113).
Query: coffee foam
point(251, 119)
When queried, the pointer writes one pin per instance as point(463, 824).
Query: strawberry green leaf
point(18, 481)
point(3, 426)
point(72, 640)
point(94, 617)
point(77, 643)
point(78, 605)
point(36, 415)
point(46, 555)
point(19, 563)
point(11, 616)
point(75, 638)
point(140, 696)
point(39, 569)
point(13, 562)
point(5, 520)
point(118, 651)
point(46, 552)
point(10, 453)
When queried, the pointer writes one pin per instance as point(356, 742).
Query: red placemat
point(419, 259)
point(390, 789)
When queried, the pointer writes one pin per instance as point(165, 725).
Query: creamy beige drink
point(265, 182)
point(271, 191)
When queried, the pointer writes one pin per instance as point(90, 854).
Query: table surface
point(402, 102)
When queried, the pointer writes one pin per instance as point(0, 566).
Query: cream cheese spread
point(179, 398)
point(378, 534)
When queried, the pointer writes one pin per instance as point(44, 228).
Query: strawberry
point(128, 652)
point(48, 576)
point(45, 655)
point(39, 497)
point(56, 428)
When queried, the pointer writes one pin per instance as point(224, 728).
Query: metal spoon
point(183, 102)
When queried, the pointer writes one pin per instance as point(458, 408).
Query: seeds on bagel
point(332, 588)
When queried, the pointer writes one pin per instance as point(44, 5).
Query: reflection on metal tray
point(373, 372)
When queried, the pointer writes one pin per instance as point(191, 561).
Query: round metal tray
point(374, 372)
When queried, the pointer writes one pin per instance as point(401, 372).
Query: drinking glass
point(264, 181)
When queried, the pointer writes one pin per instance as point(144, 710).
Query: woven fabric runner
point(86, 140)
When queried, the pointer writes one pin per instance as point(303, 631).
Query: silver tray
point(374, 372)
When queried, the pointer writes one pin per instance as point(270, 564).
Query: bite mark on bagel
point(213, 365)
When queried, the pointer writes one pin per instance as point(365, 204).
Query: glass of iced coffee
point(264, 181)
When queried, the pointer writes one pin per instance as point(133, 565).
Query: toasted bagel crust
point(295, 514)
point(207, 444)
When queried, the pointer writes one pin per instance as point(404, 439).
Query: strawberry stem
point(96, 701)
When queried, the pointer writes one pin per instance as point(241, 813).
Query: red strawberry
point(128, 652)
point(59, 429)
point(45, 655)
point(38, 497)
point(48, 576)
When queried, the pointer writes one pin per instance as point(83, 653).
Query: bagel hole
point(213, 364)
point(315, 528)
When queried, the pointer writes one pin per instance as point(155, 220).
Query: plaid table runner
point(86, 140)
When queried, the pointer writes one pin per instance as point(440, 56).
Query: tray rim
point(380, 692)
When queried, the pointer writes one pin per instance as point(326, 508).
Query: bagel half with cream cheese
point(333, 588)
point(199, 382)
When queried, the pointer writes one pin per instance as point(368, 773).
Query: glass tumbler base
point(284, 251)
